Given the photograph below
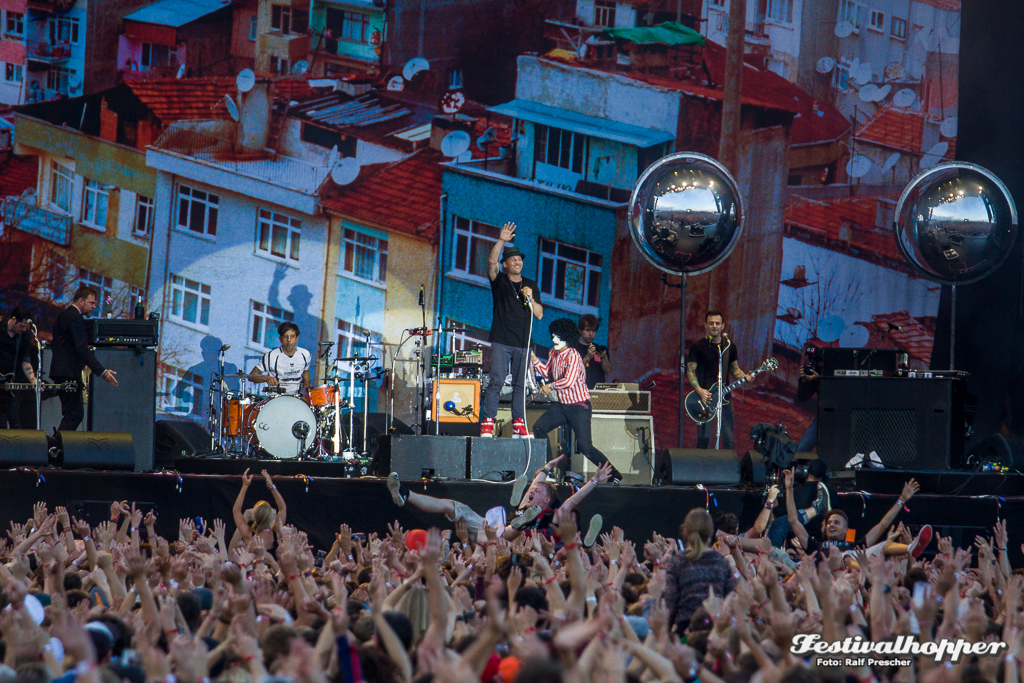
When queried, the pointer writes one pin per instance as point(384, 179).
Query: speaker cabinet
point(98, 450)
point(413, 457)
point(131, 405)
point(681, 466)
point(180, 439)
point(503, 424)
point(23, 448)
point(911, 423)
point(628, 443)
point(462, 398)
point(493, 458)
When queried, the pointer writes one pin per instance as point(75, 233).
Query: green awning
point(668, 33)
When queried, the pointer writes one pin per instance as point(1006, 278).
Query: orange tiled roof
point(895, 128)
point(915, 337)
point(824, 219)
point(401, 196)
point(945, 5)
point(175, 99)
point(18, 174)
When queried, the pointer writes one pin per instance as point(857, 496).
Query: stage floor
point(319, 499)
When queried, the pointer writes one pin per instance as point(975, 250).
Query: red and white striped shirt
point(565, 369)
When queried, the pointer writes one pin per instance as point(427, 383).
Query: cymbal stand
point(39, 373)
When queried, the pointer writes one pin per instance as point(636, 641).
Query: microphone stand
point(39, 373)
point(721, 397)
point(877, 346)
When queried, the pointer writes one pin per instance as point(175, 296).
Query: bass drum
point(283, 427)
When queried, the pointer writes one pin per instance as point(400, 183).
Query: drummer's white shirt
point(287, 370)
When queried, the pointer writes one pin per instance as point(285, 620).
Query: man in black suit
point(71, 353)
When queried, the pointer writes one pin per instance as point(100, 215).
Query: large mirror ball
point(956, 223)
point(685, 214)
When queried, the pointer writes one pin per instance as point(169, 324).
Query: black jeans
point(704, 431)
point(502, 356)
point(577, 416)
point(71, 409)
point(10, 411)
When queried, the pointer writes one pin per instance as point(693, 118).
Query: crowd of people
point(534, 600)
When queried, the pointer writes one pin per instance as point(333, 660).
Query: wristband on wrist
point(549, 581)
point(570, 546)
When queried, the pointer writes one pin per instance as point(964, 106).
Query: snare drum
point(322, 396)
point(236, 413)
point(283, 426)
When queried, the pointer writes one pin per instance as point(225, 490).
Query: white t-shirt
point(287, 370)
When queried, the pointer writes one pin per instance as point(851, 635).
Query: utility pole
point(733, 86)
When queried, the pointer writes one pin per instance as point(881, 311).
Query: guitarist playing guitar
point(15, 363)
point(703, 370)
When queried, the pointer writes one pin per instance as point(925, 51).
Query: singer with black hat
point(515, 299)
point(703, 370)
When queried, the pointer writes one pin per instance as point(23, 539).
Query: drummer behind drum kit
point(317, 425)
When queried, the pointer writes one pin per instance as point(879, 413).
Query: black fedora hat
point(510, 252)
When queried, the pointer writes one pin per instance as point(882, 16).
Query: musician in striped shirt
point(565, 368)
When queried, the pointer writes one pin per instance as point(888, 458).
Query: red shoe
point(487, 427)
point(519, 430)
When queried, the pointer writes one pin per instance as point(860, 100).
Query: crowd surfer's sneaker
point(519, 430)
point(487, 427)
point(527, 516)
point(596, 522)
point(518, 489)
point(917, 546)
point(399, 493)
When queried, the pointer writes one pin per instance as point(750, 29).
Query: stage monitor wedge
point(98, 450)
point(23, 448)
point(689, 466)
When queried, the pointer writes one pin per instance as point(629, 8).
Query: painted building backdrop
point(323, 194)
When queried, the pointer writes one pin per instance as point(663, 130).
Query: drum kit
point(267, 422)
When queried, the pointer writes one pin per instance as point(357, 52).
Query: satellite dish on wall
point(948, 127)
point(75, 81)
point(861, 72)
point(181, 71)
point(300, 67)
point(904, 98)
point(883, 92)
point(869, 93)
point(830, 328)
point(455, 143)
point(859, 166)
point(396, 84)
point(333, 157)
point(934, 154)
point(245, 80)
point(844, 28)
point(414, 66)
point(890, 162)
point(232, 107)
point(345, 171)
point(464, 157)
point(825, 65)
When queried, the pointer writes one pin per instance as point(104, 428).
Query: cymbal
point(240, 375)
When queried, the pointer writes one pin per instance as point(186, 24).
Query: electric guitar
point(702, 412)
point(7, 386)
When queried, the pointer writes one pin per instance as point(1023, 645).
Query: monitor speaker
point(180, 439)
point(503, 424)
point(23, 448)
point(628, 443)
point(505, 459)
point(414, 457)
point(681, 466)
point(98, 450)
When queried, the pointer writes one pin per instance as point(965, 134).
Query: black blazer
point(71, 350)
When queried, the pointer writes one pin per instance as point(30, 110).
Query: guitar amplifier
point(118, 332)
point(620, 402)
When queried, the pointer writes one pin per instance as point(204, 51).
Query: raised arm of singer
point(71, 354)
point(515, 302)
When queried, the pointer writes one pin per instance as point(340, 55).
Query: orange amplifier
point(457, 400)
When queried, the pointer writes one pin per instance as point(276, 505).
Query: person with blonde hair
point(262, 520)
point(695, 570)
